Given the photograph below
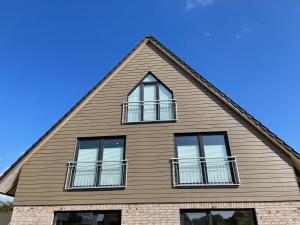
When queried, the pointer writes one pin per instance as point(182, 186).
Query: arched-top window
point(150, 100)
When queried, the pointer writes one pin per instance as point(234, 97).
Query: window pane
point(111, 170)
point(149, 102)
point(108, 219)
point(149, 78)
point(85, 170)
point(214, 146)
point(218, 167)
point(164, 93)
point(87, 218)
point(134, 107)
point(189, 166)
point(193, 218)
point(165, 107)
point(218, 217)
point(236, 217)
point(74, 218)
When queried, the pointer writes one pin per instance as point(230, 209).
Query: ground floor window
point(87, 218)
point(217, 217)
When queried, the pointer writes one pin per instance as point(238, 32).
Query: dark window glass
point(87, 218)
point(193, 218)
point(187, 140)
point(113, 143)
point(237, 217)
point(217, 217)
point(88, 144)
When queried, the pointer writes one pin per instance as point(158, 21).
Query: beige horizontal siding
point(265, 173)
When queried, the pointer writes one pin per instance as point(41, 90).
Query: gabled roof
point(8, 180)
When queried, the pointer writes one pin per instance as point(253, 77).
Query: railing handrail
point(168, 100)
point(99, 161)
point(207, 158)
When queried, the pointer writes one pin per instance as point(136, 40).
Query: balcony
point(96, 175)
point(205, 172)
point(149, 111)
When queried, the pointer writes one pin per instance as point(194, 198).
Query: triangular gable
point(8, 180)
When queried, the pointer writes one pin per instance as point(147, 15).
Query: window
point(203, 159)
point(98, 163)
point(218, 217)
point(149, 101)
point(87, 218)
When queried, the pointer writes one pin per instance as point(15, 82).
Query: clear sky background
point(52, 52)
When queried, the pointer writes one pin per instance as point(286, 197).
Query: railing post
point(237, 172)
point(67, 185)
point(123, 113)
point(175, 113)
point(173, 172)
point(126, 173)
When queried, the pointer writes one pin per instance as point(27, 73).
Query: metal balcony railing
point(205, 172)
point(147, 111)
point(96, 175)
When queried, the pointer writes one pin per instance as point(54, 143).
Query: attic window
point(149, 101)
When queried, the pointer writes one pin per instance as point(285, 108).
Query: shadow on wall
point(5, 218)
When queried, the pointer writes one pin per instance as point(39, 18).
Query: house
point(155, 143)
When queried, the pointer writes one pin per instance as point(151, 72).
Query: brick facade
point(268, 213)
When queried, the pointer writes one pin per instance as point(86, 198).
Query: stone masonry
point(268, 213)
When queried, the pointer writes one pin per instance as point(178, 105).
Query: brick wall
point(272, 213)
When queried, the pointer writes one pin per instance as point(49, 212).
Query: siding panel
point(265, 173)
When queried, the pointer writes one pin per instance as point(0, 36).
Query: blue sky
point(52, 52)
